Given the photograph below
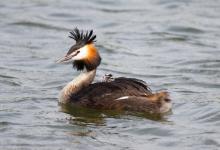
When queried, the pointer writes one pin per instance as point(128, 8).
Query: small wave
point(199, 61)
point(184, 29)
point(38, 25)
point(111, 10)
point(11, 83)
point(199, 71)
point(7, 76)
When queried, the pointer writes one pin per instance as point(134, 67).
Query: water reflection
point(84, 116)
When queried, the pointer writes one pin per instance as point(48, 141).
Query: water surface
point(171, 44)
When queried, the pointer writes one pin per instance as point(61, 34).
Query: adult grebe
point(112, 94)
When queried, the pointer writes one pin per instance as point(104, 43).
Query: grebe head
point(83, 54)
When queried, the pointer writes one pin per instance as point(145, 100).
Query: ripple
point(38, 25)
point(199, 71)
point(183, 29)
point(61, 15)
point(171, 37)
point(212, 142)
point(11, 83)
point(117, 72)
point(7, 123)
point(7, 76)
point(152, 131)
point(116, 11)
point(203, 61)
point(208, 116)
point(170, 44)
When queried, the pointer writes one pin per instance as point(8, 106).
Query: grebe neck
point(83, 80)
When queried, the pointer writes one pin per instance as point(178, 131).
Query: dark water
point(173, 45)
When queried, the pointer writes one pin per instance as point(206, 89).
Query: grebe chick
point(108, 78)
point(121, 93)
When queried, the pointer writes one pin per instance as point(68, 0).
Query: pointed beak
point(64, 59)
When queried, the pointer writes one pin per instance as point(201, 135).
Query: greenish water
point(171, 44)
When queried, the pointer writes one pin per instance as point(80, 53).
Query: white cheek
point(82, 53)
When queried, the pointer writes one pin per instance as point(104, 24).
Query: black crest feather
point(81, 37)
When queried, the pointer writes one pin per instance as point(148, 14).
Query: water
point(171, 44)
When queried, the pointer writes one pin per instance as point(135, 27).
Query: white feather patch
point(83, 53)
point(122, 98)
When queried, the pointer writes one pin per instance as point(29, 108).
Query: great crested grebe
point(111, 94)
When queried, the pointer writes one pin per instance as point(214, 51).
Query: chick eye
point(167, 100)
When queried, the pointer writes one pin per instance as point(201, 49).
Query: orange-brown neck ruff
point(91, 58)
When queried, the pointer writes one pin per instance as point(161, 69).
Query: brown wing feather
point(122, 94)
point(112, 90)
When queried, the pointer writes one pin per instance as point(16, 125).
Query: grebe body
point(121, 93)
